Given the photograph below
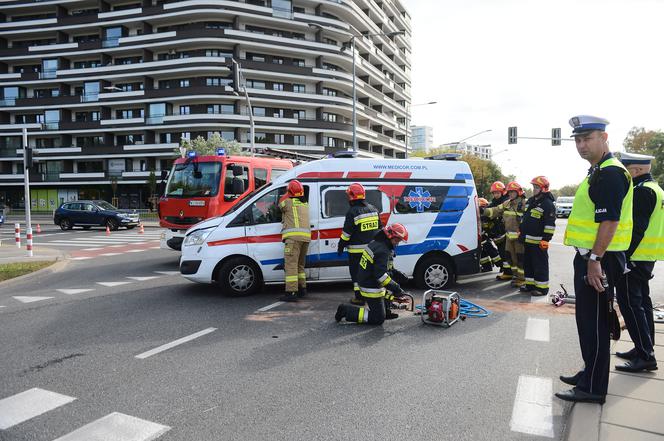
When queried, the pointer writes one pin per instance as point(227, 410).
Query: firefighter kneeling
point(377, 288)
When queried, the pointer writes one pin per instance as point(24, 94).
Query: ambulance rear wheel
point(434, 272)
point(239, 276)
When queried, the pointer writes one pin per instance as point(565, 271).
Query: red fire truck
point(201, 187)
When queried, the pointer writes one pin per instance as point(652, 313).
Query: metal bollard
point(17, 234)
point(29, 239)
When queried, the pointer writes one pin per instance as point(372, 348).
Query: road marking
point(73, 291)
point(168, 273)
point(496, 285)
point(117, 246)
point(112, 284)
point(175, 343)
point(268, 307)
point(476, 278)
point(92, 249)
point(532, 412)
point(29, 404)
point(142, 279)
point(539, 299)
point(30, 299)
point(81, 258)
point(110, 254)
point(537, 329)
point(135, 251)
point(512, 294)
point(155, 248)
point(118, 427)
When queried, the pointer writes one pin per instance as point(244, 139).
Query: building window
point(299, 114)
point(218, 81)
point(184, 83)
point(227, 109)
point(228, 135)
point(253, 84)
point(298, 62)
point(329, 117)
point(329, 92)
point(259, 111)
point(256, 57)
point(277, 60)
point(299, 88)
point(218, 25)
point(278, 86)
point(185, 110)
point(299, 140)
point(279, 138)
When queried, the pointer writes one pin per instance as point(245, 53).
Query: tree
point(152, 186)
point(657, 150)
point(205, 147)
point(567, 190)
point(114, 189)
point(639, 140)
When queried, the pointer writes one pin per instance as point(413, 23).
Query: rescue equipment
point(559, 298)
point(440, 308)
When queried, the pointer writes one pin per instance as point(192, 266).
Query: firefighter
point(361, 225)
point(646, 247)
point(600, 230)
point(511, 211)
point(296, 235)
point(377, 288)
point(496, 231)
point(537, 227)
point(489, 252)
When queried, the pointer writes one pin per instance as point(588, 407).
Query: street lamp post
point(351, 41)
point(252, 136)
point(408, 124)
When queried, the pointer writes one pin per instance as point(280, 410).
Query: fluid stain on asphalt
point(40, 367)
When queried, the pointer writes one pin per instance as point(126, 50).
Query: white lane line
point(81, 258)
point(112, 284)
point(168, 273)
point(29, 404)
point(532, 412)
point(135, 251)
point(92, 249)
point(65, 244)
point(512, 294)
point(476, 278)
point(155, 248)
point(496, 285)
point(30, 299)
point(142, 279)
point(175, 343)
point(268, 307)
point(73, 291)
point(537, 329)
point(117, 427)
point(110, 254)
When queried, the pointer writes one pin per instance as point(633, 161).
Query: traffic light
point(28, 158)
point(511, 135)
point(555, 136)
point(236, 78)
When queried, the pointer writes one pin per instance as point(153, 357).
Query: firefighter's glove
point(544, 245)
point(402, 298)
point(482, 210)
point(340, 247)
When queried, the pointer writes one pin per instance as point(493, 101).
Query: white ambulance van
point(435, 199)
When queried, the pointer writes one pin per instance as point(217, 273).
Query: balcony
point(48, 74)
point(91, 175)
point(89, 98)
point(8, 102)
point(111, 42)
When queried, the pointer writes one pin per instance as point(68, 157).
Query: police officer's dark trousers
point(633, 295)
point(592, 321)
point(536, 267)
point(373, 313)
point(353, 267)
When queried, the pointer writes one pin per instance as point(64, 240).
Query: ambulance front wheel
point(434, 272)
point(239, 276)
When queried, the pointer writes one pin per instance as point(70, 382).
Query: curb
point(59, 263)
point(583, 422)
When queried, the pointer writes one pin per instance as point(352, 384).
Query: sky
point(533, 64)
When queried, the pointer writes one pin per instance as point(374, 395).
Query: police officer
point(537, 227)
point(511, 211)
point(489, 253)
point(361, 225)
point(599, 228)
point(646, 247)
point(296, 235)
point(377, 288)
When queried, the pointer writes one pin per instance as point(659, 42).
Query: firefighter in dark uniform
point(496, 231)
point(361, 225)
point(537, 227)
point(646, 247)
point(377, 289)
point(600, 229)
point(489, 252)
point(296, 235)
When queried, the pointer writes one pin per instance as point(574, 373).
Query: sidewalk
point(10, 254)
point(634, 408)
point(47, 219)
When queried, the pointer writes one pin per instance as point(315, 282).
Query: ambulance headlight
point(197, 237)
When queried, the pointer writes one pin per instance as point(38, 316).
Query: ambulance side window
point(266, 209)
point(335, 202)
point(431, 199)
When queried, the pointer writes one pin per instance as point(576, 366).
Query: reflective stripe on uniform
point(651, 247)
point(368, 254)
point(295, 232)
point(360, 315)
point(355, 248)
point(512, 235)
point(542, 285)
point(385, 279)
point(291, 278)
point(549, 229)
point(372, 293)
point(364, 217)
point(301, 276)
point(345, 236)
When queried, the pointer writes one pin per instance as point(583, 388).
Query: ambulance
point(435, 199)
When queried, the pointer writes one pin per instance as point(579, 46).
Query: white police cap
point(635, 159)
point(587, 123)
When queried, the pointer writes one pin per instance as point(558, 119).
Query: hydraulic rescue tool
point(409, 306)
point(562, 297)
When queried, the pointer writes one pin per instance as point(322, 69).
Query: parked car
point(564, 206)
point(89, 214)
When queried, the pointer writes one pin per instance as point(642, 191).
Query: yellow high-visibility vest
point(651, 247)
point(582, 229)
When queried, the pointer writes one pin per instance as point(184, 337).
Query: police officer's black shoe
point(526, 288)
point(632, 353)
point(301, 292)
point(289, 297)
point(579, 396)
point(391, 315)
point(638, 365)
point(341, 313)
point(573, 380)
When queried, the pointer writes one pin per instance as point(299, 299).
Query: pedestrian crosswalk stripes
point(115, 426)
point(29, 404)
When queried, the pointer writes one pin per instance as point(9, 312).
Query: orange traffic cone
point(108, 231)
point(38, 228)
point(141, 230)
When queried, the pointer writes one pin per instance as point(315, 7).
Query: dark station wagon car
point(89, 214)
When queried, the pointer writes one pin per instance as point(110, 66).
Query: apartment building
point(111, 87)
point(422, 138)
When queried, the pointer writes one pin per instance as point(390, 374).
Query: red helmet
point(514, 186)
point(355, 191)
point(295, 189)
point(542, 182)
point(482, 202)
point(396, 231)
point(498, 186)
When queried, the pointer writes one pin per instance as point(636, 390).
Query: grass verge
point(11, 270)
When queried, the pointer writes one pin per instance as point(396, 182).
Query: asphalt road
point(288, 372)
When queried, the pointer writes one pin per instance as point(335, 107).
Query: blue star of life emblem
point(419, 199)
